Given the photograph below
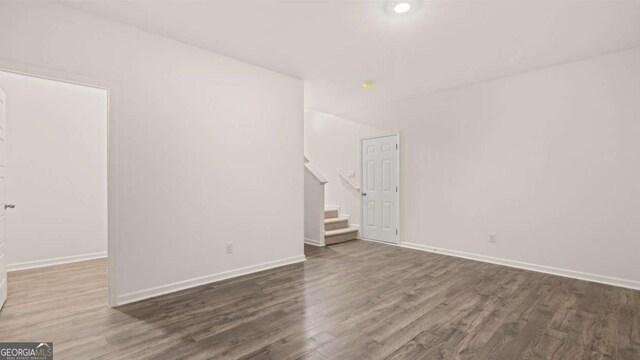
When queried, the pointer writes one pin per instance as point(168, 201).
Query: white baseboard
point(626, 283)
point(313, 242)
point(203, 280)
point(57, 261)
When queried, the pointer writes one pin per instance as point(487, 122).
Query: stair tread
point(336, 219)
point(340, 231)
point(330, 214)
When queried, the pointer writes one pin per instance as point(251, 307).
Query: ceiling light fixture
point(367, 84)
point(401, 8)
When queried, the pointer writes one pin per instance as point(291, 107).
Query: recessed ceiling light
point(367, 84)
point(402, 7)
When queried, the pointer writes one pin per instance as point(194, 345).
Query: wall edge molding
point(313, 242)
point(204, 280)
point(55, 261)
point(573, 274)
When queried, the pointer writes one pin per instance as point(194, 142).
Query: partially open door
point(3, 163)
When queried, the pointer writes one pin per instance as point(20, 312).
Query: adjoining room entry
point(380, 159)
point(3, 205)
point(53, 167)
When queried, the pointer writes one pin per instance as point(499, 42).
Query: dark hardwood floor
point(357, 300)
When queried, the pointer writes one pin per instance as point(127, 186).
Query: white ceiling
point(334, 45)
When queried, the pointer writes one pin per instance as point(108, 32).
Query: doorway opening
point(54, 173)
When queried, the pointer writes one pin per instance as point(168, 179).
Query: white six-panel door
point(380, 200)
point(3, 162)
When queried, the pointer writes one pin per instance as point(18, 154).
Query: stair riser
point(330, 214)
point(336, 225)
point(336, 239)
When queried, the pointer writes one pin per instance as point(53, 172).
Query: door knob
point(364, 194)
point(9, 206)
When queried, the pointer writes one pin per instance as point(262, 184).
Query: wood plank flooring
point(357, 300)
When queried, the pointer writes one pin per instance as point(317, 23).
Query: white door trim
point(396, 134)
point(112, 152)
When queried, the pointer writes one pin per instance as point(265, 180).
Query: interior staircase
point(337, 228)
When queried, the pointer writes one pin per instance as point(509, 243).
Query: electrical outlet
point(229, 248)
point(492, 238)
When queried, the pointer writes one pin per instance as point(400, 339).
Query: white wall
point(547, 160)
point(207, 148)
point(56, 171)
point(332, 143)
point(313, 208)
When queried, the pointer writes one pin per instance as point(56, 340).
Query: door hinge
point(396, 231)
point(396, 189)
point(396, 146)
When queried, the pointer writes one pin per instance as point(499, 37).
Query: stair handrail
point(343, 176)
point(314, 171)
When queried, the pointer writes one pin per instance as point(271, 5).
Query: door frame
point(361, 168)
point(112, 151)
